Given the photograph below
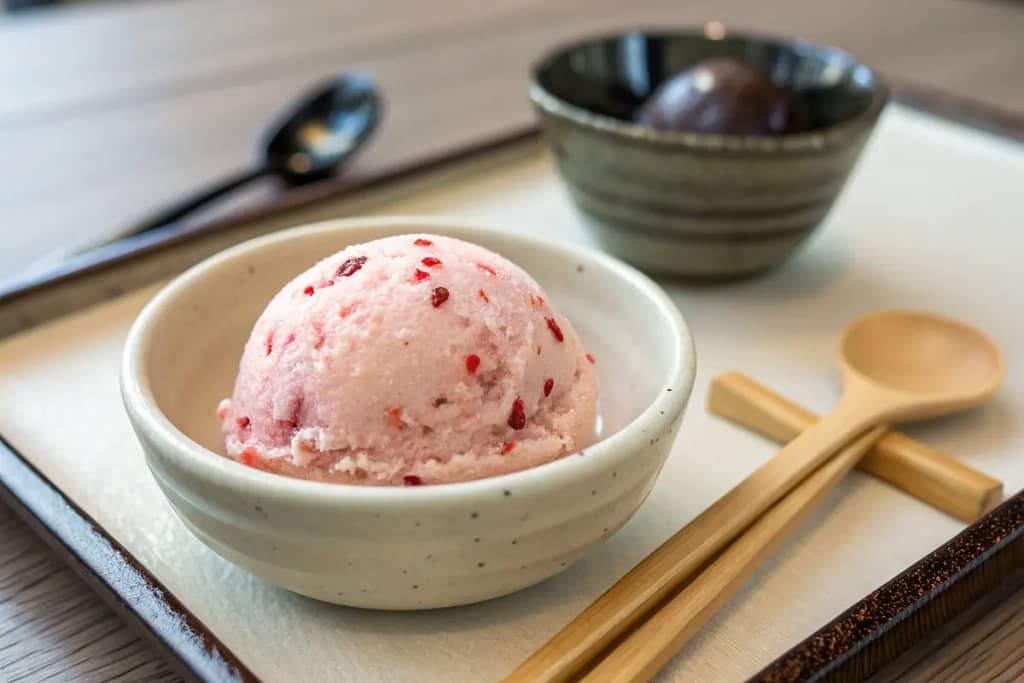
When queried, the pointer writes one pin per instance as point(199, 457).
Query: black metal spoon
point(311, 142)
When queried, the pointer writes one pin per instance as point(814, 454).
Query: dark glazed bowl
point(698, 204)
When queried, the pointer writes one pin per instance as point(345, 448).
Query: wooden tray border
point(110, 570)
point(985, 559)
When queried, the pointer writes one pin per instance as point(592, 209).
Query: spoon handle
point(648, 649)
point(179, 210)
point(634, 596)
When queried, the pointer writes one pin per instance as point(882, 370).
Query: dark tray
point(920, 607)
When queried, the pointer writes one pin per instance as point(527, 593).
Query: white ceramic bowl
point(403, 548)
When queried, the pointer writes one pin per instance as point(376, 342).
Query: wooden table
point(108, 110)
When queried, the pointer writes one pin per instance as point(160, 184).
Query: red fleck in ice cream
point(410, 360)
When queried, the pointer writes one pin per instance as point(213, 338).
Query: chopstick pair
point(725, 544)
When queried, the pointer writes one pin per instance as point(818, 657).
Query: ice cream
point(415, 359)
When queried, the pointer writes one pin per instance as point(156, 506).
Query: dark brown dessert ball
point(722, 95)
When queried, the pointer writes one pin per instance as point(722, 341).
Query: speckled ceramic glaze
point(399, 547)
point(701, 205)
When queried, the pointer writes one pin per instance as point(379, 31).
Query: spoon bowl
point(928, 364)
point(315, 138)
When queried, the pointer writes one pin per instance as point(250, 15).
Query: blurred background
point(110, 110)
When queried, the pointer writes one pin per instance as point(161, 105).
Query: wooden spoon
point(896, 366)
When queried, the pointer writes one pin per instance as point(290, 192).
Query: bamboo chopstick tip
point(991, 501)
point(719, 388)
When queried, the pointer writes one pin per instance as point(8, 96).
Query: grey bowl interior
point(613, 75)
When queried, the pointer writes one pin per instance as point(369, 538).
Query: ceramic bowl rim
point(836, 134)
point(205, 465)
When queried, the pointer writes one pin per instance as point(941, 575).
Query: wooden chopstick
point(921, 471)
point(650, 582)
point(650, 647)
point(716, 539)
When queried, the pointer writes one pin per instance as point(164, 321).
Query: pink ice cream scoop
point(409, 360)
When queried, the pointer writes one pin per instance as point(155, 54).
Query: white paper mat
point(932, 220)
